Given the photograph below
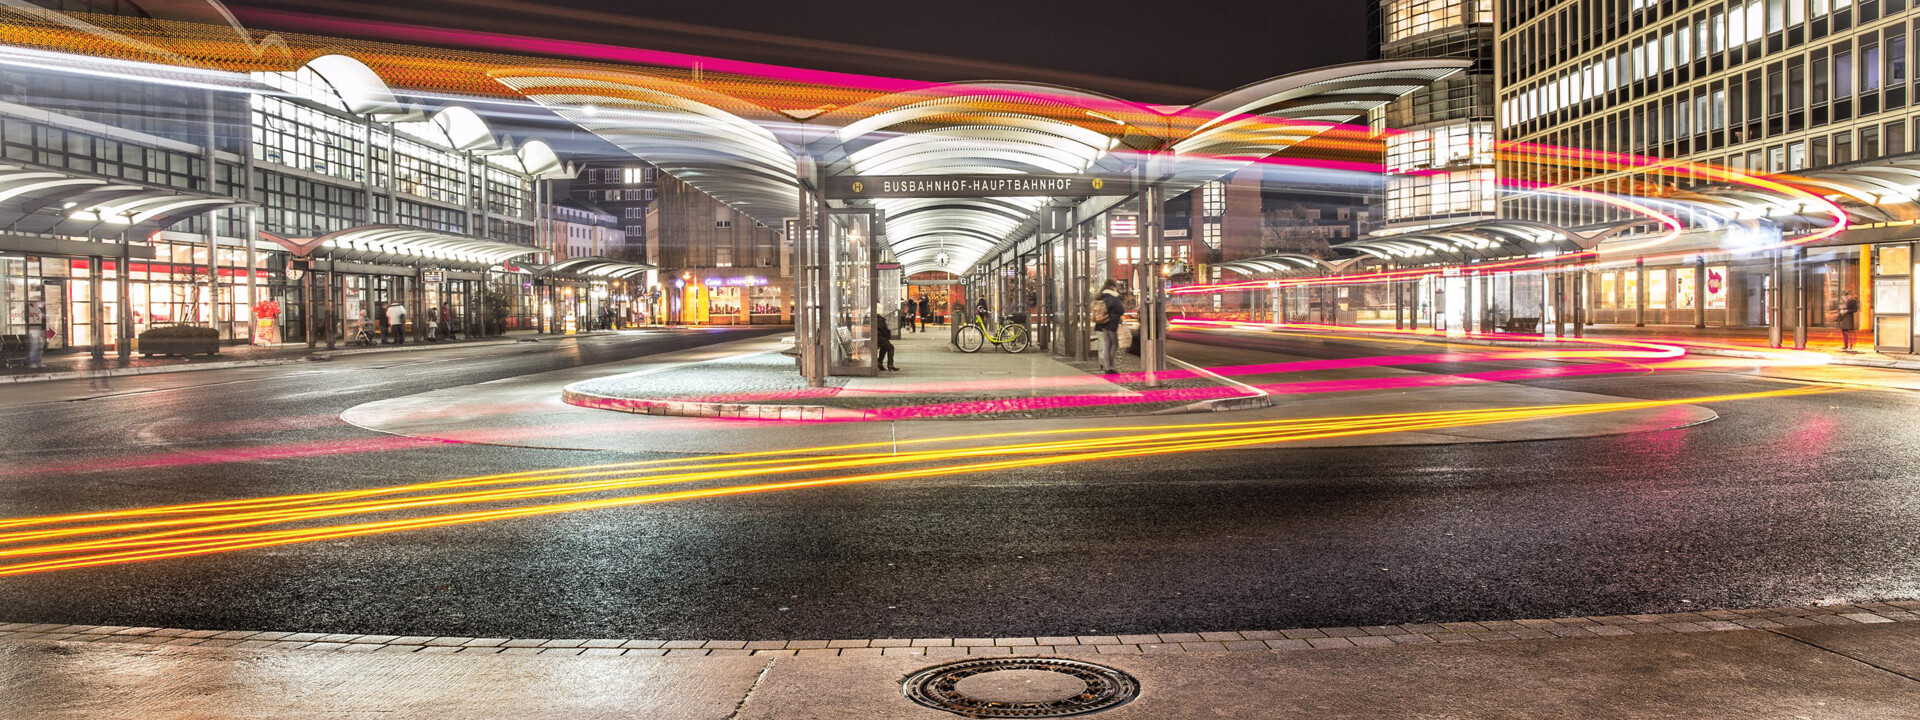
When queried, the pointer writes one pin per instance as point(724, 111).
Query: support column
point(1777, 308)
point(306, 303)
point(1153, 305)
point(251, 229)
point(336, 305)
point(1580, 302)
point(123, 334)
point(1399, 302)
point(1801, 310)
point(486, 284)
point(96, 313)
point(1556, 295)
point(1640, 292)
point(1700, 291)
point(419, 293)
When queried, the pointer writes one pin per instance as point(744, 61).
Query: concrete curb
point(316, 355)
point(1324, 638)
point(1258, 399)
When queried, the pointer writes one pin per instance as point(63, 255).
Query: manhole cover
point(1021, 688)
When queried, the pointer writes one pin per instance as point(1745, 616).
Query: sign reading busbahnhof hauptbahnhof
point(940, 186)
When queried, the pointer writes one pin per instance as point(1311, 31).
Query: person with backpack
point(926, 312)
point(1847, 318)
point(884, 336)
point(1105, 312)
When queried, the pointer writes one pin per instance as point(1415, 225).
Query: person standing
point(37, 333)
point(397, 322)
point(1107, 310)
point(380, 323)
point(926, 311)
point(1846, 319)
point(906, 315)
point(884, 336)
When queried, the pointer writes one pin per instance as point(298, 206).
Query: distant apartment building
point(625, 190)
point(579, 230)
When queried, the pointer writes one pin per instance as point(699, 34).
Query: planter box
point(180, 341)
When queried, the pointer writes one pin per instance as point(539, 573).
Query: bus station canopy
point(755, 158)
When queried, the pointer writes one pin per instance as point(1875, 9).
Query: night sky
point(1152, 51)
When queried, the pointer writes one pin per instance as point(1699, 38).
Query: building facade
point(717, 266)
point(329, 197)
point(624, 190)
point(1760, 86)
point(1439, 141)
point(578, 230)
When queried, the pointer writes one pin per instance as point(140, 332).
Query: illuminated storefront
point(717, 296)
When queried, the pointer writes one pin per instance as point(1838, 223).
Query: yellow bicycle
point(1012, 337)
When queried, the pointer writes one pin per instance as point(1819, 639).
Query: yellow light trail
point(207, 534)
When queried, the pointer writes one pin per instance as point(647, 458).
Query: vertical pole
point(1399, 302)
point(336, 304)
point(1640, 292)
point(485, 283)
point(251, 230)
point(1776, 310)
point(1700, 291)
point(419, 305)
point(1412, 288)
point(1081, 286)
point(306, 303)
point(1153, 308)
point(96, 314)
point(1556, 295)
point(123, 335)
point(1802, 310)
point(210, 164)
point(1579, 302)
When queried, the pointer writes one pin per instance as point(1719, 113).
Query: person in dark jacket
point(885, 337)
point(906, 315)
point(926, 311)
point(1846, 318)
point(1110, 330)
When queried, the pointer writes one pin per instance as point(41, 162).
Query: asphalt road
point(1781, 501)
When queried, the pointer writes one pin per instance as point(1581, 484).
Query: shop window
point(1716, 287)
point(1657, 289)
point(724, 301)
point(1609, 285)
point(1630, 288)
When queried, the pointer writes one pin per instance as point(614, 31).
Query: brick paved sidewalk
point(72, 366)
point(1905, 611)
point(934, 382)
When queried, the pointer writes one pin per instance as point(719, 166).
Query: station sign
point(433, 277)
point(855, 187)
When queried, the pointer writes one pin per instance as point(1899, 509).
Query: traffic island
point(935, 382)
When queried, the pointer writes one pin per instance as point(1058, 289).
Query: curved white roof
point(744, 154)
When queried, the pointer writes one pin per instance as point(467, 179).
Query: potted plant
point(266, 316)
point(180, 340)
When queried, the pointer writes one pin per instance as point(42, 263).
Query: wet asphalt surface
point(1781, 501)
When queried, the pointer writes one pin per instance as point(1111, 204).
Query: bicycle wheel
point(971, 339)
point(1016, 338)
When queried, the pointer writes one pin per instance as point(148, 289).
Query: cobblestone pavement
point(1905, 611)
point(755, 385)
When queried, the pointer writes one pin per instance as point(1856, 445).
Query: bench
point(1521, 325)
point(13, 350)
